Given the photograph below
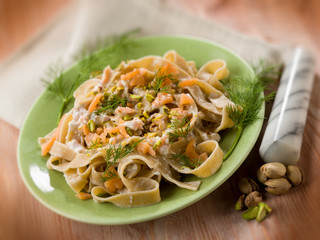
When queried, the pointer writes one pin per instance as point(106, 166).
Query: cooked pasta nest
point(148, 119)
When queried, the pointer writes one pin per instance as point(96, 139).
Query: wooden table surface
point(294, 216)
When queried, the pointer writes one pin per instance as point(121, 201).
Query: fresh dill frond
point(108, 43)
point(57, 85)
point(158, 83)
point(114, 153)
point(186, 161)
point(109, 104)
point(247, 95)
point(95, 144)
point(179, 128)
point(266, 72)
point(93, 58)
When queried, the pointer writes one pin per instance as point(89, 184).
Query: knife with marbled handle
point(283, 136)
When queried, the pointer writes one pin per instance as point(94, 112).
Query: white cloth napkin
point(84, 20)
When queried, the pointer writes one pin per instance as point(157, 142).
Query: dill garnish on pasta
point(148, 120)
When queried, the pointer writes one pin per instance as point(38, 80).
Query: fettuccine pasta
point(149, 119)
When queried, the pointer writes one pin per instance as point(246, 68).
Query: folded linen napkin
point(84, 20)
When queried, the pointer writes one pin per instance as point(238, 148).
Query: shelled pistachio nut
point(240, 203)
point(277, 186)
point(273, 170)
point(252, 199)
point(251, 213)
point(294, 174)
point(262, 177)
point(263, 209)
point(247, 185)
point(258, 212)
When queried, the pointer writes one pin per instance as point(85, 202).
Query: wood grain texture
point(294, 216)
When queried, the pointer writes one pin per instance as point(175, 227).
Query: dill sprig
point(113, 154)
point(246, 94)
point(179, 128)
point(159, 79)
point(109, 104)
point(108, 44)
point(57, 85)
point(93, 58)
point(186, 161)
point(95, 144)
point(266, 72)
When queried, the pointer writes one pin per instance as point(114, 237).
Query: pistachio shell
point(278, 186)
point(262, 177)
point(273, 170)
point(252, 199)
point(247, 185)
point(294, 174)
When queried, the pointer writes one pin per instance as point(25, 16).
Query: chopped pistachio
point(91, 125)
point(120, 88)
point(149, 97)
point(151, 134)
point(251, 213)
point(127, 118)
point(145, 114)
point(166, 110)
point(129, 131)
point(263, 209)
point(174, 113)
point(136, 97)
point(143, 120)
point(113, 134)
point(157, 118)
point(157, 144)
point(139, 105)
point(262, 213)
point(113, 88)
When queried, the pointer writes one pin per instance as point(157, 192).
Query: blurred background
point(294, 21)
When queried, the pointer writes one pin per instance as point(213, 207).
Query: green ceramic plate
point(49, 186)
